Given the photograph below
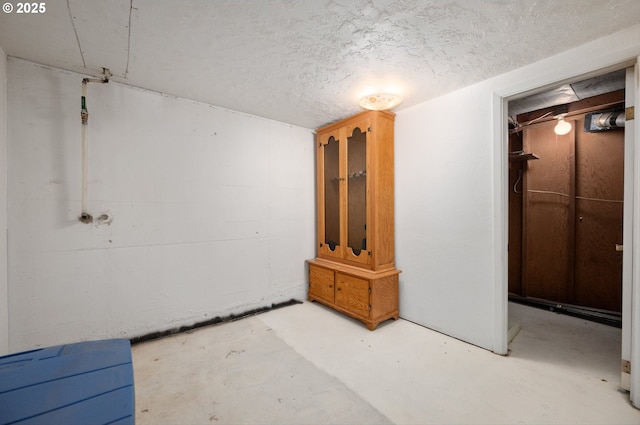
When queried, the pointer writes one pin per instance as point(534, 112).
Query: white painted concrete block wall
point(211, 212)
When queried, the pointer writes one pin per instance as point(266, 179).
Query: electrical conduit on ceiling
point(85, 216)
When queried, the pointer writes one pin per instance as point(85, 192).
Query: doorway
point(535, 80)
point(566, 195)
point(629, 213)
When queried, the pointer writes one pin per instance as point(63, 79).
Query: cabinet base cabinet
point(371, 297)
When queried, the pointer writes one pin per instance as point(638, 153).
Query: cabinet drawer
point(321, 283)
point(353, 294)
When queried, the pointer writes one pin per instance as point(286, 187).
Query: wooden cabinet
point(354, 271)
point(371, 297)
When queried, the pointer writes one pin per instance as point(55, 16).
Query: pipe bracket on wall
point(86, 218)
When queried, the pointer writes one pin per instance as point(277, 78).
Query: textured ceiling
point(305, 62)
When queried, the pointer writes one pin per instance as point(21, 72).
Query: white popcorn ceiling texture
point(306, 62)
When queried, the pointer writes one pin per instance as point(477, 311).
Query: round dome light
point(380, 101)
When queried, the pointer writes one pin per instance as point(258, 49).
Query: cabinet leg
point(372, 326)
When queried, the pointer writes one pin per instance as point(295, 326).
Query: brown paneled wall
point(566, 220)
point(515, 216)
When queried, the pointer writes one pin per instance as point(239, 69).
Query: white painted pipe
point(85, 217)
point(85, 159)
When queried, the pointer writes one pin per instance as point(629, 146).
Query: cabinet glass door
point(357, 195)
point(332, 194)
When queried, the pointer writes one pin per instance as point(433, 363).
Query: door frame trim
point(500, 99)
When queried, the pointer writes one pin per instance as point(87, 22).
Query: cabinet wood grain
point(354, 271)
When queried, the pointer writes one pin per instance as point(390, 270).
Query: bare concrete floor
point(306, 364)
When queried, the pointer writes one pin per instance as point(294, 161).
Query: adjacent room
point(213, 200)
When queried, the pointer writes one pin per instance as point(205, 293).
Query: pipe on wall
point(85, 216)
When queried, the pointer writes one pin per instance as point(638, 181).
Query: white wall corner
point(501, 230)
point(4, 287)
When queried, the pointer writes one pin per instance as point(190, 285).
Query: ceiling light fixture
point(380, 101)
point(562, 127)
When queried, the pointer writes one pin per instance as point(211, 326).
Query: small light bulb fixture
point(380, 101)
point(562, 127)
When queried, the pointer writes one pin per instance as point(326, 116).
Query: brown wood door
point(547, 266)
point(572, 216)
point(321, 284)
point(599, 216)
point(352, 294)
